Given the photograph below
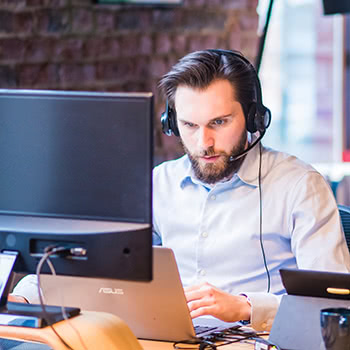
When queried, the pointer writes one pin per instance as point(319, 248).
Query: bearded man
point(233, 211)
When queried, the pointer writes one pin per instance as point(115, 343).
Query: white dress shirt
point(214, 231)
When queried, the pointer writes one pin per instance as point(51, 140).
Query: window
point(301, 76)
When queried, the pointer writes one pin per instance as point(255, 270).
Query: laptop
point(153, 310)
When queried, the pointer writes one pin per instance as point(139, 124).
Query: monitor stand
point(22, 314)
point(31, 315)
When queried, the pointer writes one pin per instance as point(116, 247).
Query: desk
point(145, 344)
point(160, 345)
point(99, 331)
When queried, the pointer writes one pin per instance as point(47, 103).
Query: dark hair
point(200, 68)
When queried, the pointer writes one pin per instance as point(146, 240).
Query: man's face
point(212, 128)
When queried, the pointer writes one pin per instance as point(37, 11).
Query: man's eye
point(219, 122)
point(189, 125)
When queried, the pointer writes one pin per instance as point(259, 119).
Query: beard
point(214, 172)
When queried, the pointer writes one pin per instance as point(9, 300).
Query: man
point(233, 211)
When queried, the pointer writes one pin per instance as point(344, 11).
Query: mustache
point(209, 152)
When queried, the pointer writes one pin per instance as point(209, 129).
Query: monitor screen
point(78, 155)
point(76, 171)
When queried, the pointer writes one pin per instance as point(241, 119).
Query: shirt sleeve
point(264, 308)
point(317, 241)
point(156, 239)
point(156, 235)
point(27, 288)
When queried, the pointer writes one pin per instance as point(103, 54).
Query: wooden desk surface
point(160, 345)
point(99, 330)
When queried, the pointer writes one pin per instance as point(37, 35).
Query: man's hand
point(16, 299)
point(205, 299)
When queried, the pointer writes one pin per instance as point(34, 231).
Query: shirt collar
point(249, 170)
point(247, 173)
point(187, 174)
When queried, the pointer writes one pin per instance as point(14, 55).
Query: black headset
point(258, 117)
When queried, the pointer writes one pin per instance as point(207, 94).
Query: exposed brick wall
point(80, 45)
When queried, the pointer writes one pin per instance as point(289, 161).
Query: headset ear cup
point(262, 118)
point(267, 118)
point(251, 119)
point(165, 123)
point(168, 120)
point(172, 121)
point(258, 118)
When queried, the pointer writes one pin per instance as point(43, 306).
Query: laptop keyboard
point(201, 329)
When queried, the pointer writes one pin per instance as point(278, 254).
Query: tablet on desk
point(312, 283)
point(297, 322)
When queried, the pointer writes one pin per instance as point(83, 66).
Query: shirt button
point(213, 197)
point(205, 234)
point(263, 325)
point(202, 272)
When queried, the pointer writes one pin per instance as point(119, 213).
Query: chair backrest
point(344, 212)
point(342, 192)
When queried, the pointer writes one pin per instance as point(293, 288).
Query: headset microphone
point(252, 145)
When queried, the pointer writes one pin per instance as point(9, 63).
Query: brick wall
point(80, 45)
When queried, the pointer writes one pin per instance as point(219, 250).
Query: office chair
point(344, 212)
point(342, 192)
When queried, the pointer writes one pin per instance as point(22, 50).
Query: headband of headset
point(258, 117)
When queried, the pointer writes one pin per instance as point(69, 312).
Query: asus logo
point(118, 291)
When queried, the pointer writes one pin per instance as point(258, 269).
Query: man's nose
point(206, 138)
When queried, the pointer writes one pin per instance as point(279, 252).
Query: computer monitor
point(76, 172)
point(332, 7)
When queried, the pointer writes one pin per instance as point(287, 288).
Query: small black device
point(258, 117)
point(263, 344)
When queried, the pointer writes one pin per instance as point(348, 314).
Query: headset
point(257, 116)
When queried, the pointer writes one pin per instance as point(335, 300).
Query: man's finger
point(194, 287)
point(194, 295)
point(198, 303)
point(202, 311)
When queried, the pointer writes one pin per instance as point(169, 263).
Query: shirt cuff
point(264, 309)
point(246, 322)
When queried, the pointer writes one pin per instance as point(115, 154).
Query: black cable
point(216, 340)
point(263, 38)
point(74, 251)
point(201, 344)
point(45, 258)
point(261, 225)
